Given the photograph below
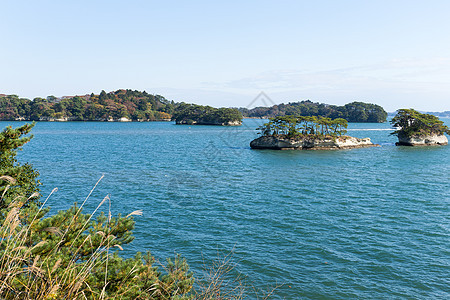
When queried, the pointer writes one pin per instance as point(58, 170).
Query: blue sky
point(393, 53)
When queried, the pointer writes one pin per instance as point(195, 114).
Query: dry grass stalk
point(43, 282)
point(218, 281)
point(8, 178)
point(135, 213)
point(222, 281)
point(24, 275)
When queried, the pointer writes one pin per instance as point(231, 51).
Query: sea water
point(361, 223)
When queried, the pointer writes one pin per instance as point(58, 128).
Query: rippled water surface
point(361, 223)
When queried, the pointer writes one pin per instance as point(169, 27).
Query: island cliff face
point(309, 143)
point(421, 140)
point(419, 129)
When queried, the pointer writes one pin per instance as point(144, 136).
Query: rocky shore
point(421, 140)
point(310, 143)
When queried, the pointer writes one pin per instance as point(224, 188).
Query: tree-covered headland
point(121, 105)
point(352, 112)
point(133, 105)
point(413, 123)
point(304, 126)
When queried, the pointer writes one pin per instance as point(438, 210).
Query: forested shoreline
point(120, 105)
point(129, 105)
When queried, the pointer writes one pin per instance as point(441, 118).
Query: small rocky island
point(193, 114)
point(419, 129)
point(307, 133)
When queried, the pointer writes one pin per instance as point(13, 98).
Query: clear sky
point(394, 53)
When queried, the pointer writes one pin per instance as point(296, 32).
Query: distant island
point(439, 114)
point(118, 106)
point(442, 114)
point(352, 112)
point(306, 133)
point(419, 129)
point(192, 114)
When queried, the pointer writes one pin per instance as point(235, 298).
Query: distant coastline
point(441, 114)
point(121, 120)
point(140, 106)
point(118, 106)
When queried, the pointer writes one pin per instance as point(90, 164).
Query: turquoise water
point(364, 223)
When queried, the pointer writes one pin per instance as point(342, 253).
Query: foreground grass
point(72, 256)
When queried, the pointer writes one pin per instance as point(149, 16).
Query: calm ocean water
point(364, 223)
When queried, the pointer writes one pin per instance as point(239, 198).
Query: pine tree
point(19, 180)
point(413, 123)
